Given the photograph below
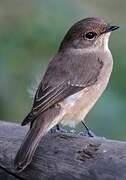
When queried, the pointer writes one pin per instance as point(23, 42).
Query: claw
point(89, 132)
point(58, 130)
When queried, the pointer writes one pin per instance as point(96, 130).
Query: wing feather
point(59, 83)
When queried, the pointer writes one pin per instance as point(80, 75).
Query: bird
point(74, 80)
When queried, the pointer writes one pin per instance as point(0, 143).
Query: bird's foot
point(58, 129)
point(89, 133)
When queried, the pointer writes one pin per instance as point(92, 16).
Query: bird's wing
point(63, 78)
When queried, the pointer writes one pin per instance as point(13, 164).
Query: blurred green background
point(30, 33)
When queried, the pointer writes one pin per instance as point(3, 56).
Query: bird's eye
point(90, 35)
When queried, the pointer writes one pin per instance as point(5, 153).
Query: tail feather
point(28, 147)
point(40, 127)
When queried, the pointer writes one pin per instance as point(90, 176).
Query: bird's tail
point(31, 141)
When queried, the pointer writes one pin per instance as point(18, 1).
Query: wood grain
point(63, 157)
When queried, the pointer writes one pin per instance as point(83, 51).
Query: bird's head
point(88, 33)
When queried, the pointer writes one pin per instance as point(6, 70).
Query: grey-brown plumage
point(74, 80)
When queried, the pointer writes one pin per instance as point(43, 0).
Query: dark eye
point(90, 35)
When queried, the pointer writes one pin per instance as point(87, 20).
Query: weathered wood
point(63, 157)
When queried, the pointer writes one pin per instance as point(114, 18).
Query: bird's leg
point(89, 132)
point(58, 129)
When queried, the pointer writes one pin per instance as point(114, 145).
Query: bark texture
point(63, 157)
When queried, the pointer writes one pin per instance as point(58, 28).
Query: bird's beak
point(111, 28)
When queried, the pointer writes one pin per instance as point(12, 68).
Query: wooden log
point(63, 157)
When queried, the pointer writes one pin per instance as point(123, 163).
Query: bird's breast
point(75, 107)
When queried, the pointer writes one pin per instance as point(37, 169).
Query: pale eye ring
point(90, 35)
